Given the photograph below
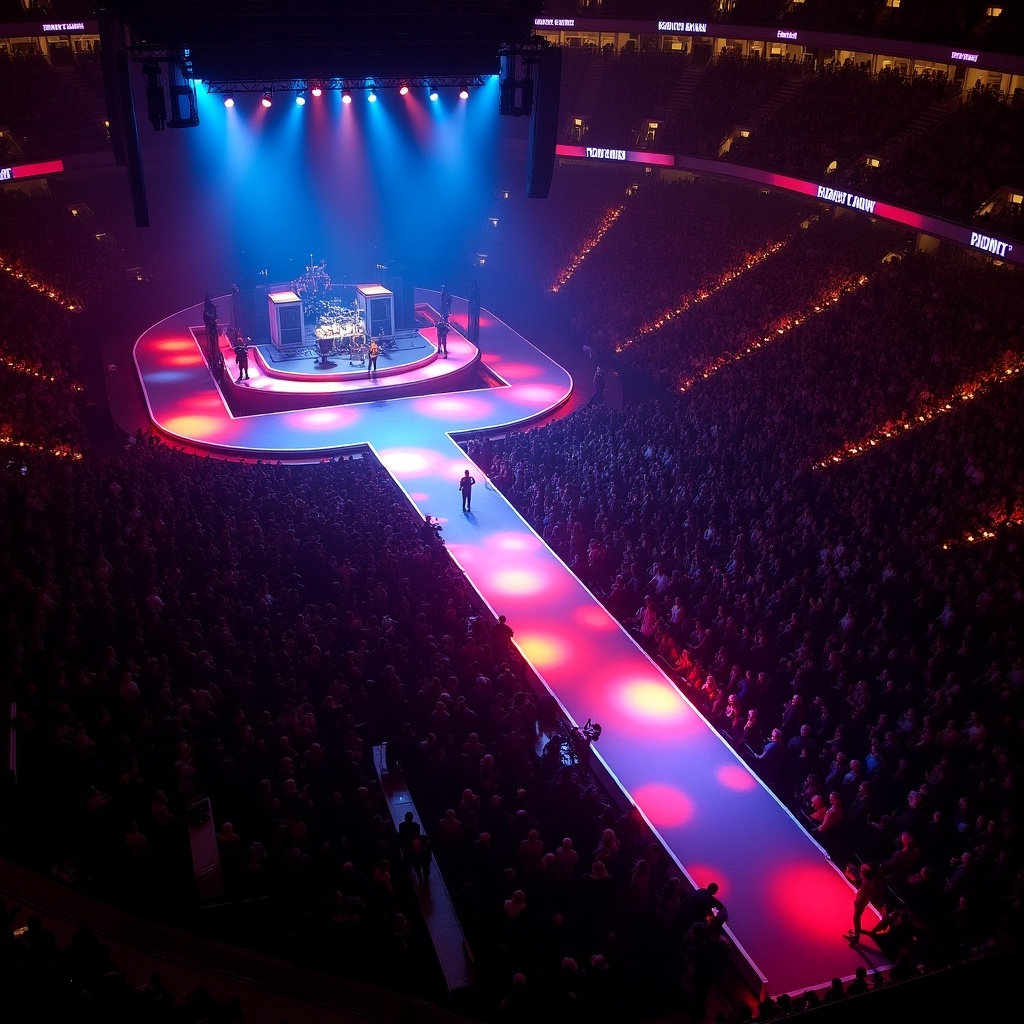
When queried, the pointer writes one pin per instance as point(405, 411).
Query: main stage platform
point(306, 378)
point(789, 904)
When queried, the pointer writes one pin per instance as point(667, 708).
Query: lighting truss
point(297, 85)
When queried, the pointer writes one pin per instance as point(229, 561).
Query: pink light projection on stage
point(546, 650)
point(535, 395)
point(444, 407)
point(523, 371)
point(732, 776)
point(705, 874)
point(793, 907)
point(408, 462)
point(647, 702)
point(716, 819)
point(664, 805)
point(337, 417)
point(593, 618)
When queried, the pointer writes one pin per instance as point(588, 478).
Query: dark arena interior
point(707, 703)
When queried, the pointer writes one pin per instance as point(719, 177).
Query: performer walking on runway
point(466, 486)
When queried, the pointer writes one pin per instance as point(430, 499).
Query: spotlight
point(267, 100)
point(404, 91)
point(464, 92)
point(433, 95)
point(300, 98)
point(346, 97)
point(372, 97)
point(317, 90)
point(229, 100)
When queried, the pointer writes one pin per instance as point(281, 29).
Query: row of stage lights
point(346, 95)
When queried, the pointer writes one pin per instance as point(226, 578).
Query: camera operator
point(582, 738)
point(430, 531)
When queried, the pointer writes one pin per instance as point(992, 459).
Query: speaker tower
point(540, 146)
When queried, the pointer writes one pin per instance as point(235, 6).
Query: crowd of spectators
point(956, 180)
point(909, 19)
point(616, 94)
point(813, 266)
point(923, 169)
point(53, 111)
point(89, 262)
point(680, 238)
point(81, 981)
point(847, 607)
point(39, 392)
point(178, 627)
point(876, 108)
point(205, 638)
point(730, 91)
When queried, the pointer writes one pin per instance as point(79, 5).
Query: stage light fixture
point(463, 92)
point(372, 97)
point(346, 97)
point(267, 100)
point(317, 90)
point(433, 95)
point(229, 100)
point(300, 98)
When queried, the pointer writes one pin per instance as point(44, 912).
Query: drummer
point(357, 350)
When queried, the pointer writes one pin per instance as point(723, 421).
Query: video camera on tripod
point(581, 738)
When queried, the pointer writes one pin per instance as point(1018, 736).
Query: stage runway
point(789, 905)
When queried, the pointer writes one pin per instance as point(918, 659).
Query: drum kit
point(340, 329)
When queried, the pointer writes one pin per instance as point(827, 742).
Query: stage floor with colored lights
point(789, 905)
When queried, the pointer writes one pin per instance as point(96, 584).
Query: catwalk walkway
point(789, 905)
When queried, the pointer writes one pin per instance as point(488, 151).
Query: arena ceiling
point(230, 40)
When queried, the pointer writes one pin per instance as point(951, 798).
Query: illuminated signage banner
point(971, 58)
point(686, 27)
point(785, 34)
point(628, 156)
point(554, 22)
point(63, 26)
point(834, 195)
point(986, 243)
point(20, 171)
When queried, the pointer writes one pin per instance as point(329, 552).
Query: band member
point(357, 350)
point(442, 337)
point(474, 313)
point(242, 357)
point(374, 351)
point(210, 319)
